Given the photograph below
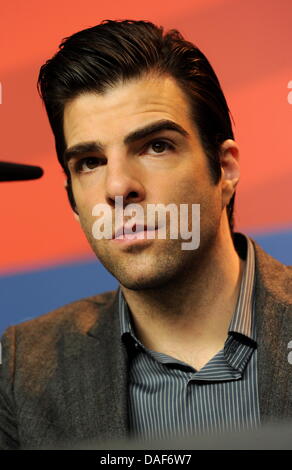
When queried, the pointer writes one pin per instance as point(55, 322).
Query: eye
point(84, 165)
point(159, 146)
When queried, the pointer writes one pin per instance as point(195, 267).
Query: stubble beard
point(161, 265)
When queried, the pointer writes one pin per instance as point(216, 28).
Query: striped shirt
point(168, 397)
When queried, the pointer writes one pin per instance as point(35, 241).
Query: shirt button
point(136, 345)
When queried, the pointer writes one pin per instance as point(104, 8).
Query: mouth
point(136, 231)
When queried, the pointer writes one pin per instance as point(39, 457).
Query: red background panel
point(247, 42)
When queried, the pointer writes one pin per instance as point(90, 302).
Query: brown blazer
point(63, 377)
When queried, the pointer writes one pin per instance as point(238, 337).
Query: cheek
point(187, 189)
point(85, 221)
point(84, 198)
point(194, 190)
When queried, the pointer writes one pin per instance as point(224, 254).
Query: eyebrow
point(138, 134)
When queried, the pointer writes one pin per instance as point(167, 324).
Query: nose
point(123, 179)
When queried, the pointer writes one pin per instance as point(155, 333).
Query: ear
point(76, 216)
point(230, 171)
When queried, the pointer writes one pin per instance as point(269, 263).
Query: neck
point(198, 306)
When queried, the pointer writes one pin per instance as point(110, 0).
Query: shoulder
point(272, 276)
point(76, 317)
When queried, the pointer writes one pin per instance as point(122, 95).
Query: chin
point(144, 282)
point(142, 285)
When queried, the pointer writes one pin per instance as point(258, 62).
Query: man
point(194, 340)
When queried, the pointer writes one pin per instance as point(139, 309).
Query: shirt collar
point(242, 320)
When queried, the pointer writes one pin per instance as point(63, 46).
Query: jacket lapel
point(98, 390)
point(274, 331)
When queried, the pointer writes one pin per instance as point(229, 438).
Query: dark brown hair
point(101, 56)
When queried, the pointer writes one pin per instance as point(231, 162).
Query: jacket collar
point(274, 330)
point(98, 391)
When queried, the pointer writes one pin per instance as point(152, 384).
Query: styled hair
point(98, 58)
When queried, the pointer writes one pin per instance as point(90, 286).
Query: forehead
point(123, 108)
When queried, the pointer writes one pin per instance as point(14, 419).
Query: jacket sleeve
point(8, 423)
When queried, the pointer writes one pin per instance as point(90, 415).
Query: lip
point(128, 229)
point(125, 234)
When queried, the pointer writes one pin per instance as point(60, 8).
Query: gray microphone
point(19, 172)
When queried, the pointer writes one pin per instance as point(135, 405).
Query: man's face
point(162, 167)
